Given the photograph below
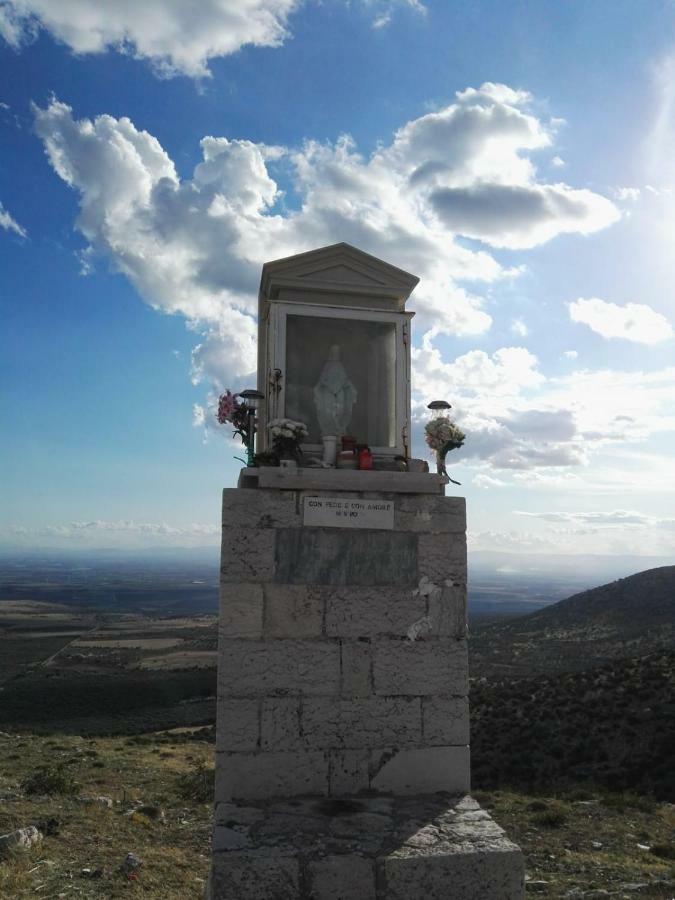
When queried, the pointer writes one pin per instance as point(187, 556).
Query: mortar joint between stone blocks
point(324, 605)
point(303, 874)
point(263, 624)
point(330, 760)
point(258, 743)
point(380, 880)
point(341, 643)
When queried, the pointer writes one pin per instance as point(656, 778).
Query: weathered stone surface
point(255, 875)
point(414, 848)
point(280, 724)
point(371, 611)
point(237, 725)
point(420, 771)
point(248, 554)
point(488, 874)
point(421, 667)
point(342, 878)
point(227, 838)
point(255, 776)
point(240, 815)
point(249, 668)
point(361, 723)
point(441, 557)
point(329, 480)
point(439, 515)
point(348, 771)
point(334, 557)
point(447, 610)
point(262, 509)
point(292, 610)
point(445, 720)
point(356, 665)
point(241, 611)
point(22, 837)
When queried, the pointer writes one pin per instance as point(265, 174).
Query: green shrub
point(580, 793)
point(553, 816)
point(626, 800)
point(663, 851)
point(50, 779)
point(197, 785)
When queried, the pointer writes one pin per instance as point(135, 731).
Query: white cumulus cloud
point(519, 216)
point(633, 322)
point(597, 519)
point(8, 223)
point(195, 246)
point(482, 480)
point(121, 533)
point(501, 402)
point(177, 36)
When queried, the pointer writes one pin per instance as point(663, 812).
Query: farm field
point(82, 670)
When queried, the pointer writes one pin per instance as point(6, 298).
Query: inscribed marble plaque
point(338, 512)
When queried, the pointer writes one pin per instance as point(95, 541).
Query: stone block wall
point(342, 652)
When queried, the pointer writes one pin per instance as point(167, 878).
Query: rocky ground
point(590, 844)
point(145, 796)
point(157, 807)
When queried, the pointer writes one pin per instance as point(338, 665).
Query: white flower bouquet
point(287, 435)
point(442, 435)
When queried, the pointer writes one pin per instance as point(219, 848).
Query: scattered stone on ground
point(131, 864)
point(105, 802)
point(21, 838)
point(93, 873)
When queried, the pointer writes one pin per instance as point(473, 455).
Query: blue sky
point(518, 157)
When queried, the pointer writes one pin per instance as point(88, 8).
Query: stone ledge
point(363, 848)
point(343, 480)
point(273, 508)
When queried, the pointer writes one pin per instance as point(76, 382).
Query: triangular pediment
point(343, 274)
point(339, 269)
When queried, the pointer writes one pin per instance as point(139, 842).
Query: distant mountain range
point(581, 691)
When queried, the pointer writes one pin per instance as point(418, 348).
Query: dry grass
point(129, 643)
point(130, 622)
point(589, 840)
point(189, 659)
point(175, 852)
point(583, 839)
point(33, 635)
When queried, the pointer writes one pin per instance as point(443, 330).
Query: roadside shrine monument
point(342, 758)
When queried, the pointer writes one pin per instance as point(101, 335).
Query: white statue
point(334, 396)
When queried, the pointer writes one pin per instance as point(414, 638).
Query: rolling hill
point(582, 691)
point(631, 617)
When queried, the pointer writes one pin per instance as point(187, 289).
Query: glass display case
point(333, 361)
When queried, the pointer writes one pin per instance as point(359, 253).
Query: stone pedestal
point(342, 762)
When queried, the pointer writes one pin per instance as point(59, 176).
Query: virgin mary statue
point(334, 396)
